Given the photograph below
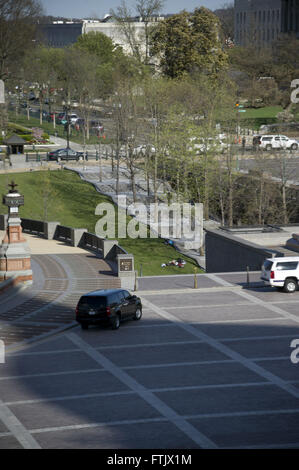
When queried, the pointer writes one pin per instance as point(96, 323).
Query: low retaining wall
point(107, 249)
point(228, 253)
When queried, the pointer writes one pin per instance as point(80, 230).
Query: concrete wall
point(228, 253)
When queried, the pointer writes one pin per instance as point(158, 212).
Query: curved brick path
point(61, 275)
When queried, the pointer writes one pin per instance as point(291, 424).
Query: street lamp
point(66, 108)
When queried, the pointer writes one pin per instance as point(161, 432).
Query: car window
point(93, 301)
point(267, 139)
point(268, 265)
point(287, 266)
point(126, 294)
point(120, 296)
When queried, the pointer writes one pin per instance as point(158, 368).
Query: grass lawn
point(266, 112)
point(62, 196)
point(48, 127)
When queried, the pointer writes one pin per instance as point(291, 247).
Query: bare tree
point(146, 10)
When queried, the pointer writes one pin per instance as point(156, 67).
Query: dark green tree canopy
point(189, 42)
point(99, 45)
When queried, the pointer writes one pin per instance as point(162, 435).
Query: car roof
point(103, 292)
point(284, 258)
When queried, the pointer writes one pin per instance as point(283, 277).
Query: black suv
point(109, 306)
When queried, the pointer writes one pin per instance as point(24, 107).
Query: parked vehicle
point(110, 307)
point(281, 272)
point(61, 118)
point(269, 142)
point(64, 154)
point(72, 118)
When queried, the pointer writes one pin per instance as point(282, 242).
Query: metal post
point(136, 282)
point(195, 278)
point(247, 276)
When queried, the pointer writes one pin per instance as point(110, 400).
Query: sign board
point(242, 110)
point(126, 265)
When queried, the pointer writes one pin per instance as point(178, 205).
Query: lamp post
point(67, 107)
point(14, 251)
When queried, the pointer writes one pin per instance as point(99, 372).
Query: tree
point(145, 9)
point(18, 19)
point(189, 43)
point(226, 15)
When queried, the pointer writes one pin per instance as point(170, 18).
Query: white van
point(281, 273)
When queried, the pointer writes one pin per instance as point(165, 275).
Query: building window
point(260, 16)
point(264, 16)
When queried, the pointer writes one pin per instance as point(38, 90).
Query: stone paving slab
point(194, 375)
point(84, 410)
point(263, 397)
point(251, 431)
point(150, 435)
point(268, 327)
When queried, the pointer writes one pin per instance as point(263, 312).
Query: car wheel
point(138, 314)
point(294, 147)
point(58, 159)
point(116, 322)
point(290, 286)
point(268, 147)
point(84, 326)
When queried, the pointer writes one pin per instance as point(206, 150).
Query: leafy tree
point(188, 43)
point(98, 45)
point(17, 31)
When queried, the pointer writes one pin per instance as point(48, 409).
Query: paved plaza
point(204, 368)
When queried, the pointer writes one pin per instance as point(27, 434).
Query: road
point(205, 368)
point(274, 166)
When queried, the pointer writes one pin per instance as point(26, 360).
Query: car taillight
point(272, 275)
point(77, 311)
point(108, 311)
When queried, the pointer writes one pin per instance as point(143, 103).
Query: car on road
point(270, 142)
point(108, 307)
point(64, 154)
point(61, 118)
point(281, 272)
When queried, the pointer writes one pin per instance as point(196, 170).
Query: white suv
point(269, 142)
point(281, 273)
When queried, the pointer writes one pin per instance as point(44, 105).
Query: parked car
point(61, 118)
point(269, 142)
point(110, 307)
point(72, 118)
point(282, 272)
point(144, 149)
point(64, 154)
